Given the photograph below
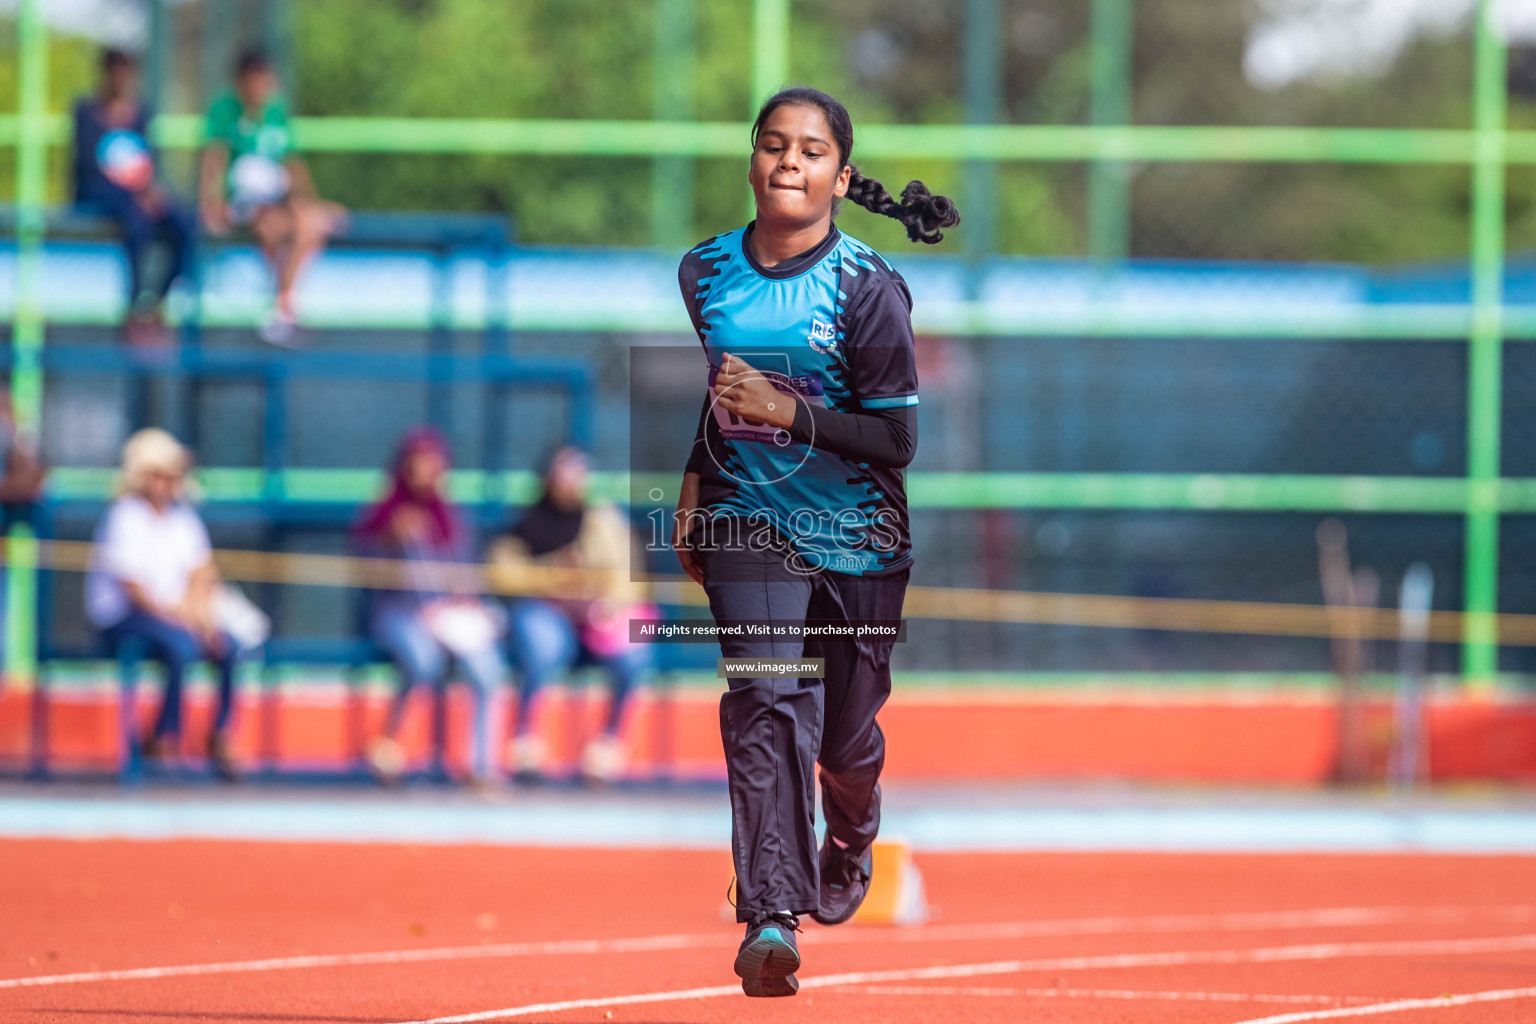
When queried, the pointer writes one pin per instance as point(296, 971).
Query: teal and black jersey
point(832, 329)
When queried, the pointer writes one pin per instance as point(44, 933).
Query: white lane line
point(1494, 996)
point(1324, 917)
point(683, 995)
point(1102, 993)
point(592, 1004)
point(403, 956)
point(1271, 954)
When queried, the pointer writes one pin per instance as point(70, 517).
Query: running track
point(169, 931)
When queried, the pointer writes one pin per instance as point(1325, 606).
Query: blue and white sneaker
point(768, 958)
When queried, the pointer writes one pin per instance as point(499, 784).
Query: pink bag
point(605, 627)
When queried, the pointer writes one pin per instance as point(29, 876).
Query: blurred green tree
point(891, 61)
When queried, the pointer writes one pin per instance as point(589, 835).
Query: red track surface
point(87, 907)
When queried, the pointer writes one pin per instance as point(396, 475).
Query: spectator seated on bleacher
point(21, 479)
point(152, 582)
point(251, 178)
point(21, 468)
point(437, 615)
point(555, 633)
point(116, 177)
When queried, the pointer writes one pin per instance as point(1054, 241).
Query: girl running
point(793, 511)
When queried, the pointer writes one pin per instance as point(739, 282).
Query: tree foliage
point(891, 61)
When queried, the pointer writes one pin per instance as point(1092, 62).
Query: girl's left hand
point(741, 390)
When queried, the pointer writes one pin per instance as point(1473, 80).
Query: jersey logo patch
point(823, 337)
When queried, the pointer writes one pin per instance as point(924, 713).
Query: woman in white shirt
point(152, 580)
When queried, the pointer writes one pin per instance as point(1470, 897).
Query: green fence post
point(770, 59)
point(1479, 659)
point(157, 56)
point(277, 41)
point(218, 50)
point(983, 65)
point(770, 50)
point(672, 178)
point(27, 325)
point(1109, 200)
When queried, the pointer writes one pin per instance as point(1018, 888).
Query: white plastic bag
point(464, 627)
point(236, 615)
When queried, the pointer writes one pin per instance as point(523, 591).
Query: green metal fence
point(1107, 145)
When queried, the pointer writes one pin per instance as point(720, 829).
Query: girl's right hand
point(687, 504)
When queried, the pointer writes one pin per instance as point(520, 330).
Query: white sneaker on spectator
point(526, 756)
point(603, 759)
point(280, 328)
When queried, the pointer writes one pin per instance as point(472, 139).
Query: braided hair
point(923, 214)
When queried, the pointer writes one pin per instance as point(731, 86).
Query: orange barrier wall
point(931, 735)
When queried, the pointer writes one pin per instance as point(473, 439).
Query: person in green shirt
point(251, 177)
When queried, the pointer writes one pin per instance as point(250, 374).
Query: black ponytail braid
point(923, 213)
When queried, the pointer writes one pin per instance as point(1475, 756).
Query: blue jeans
point(175, 221)
point(177, 649)
point(421, 659)
point(544, 645)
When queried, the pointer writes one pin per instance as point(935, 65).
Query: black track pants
point(775, 729)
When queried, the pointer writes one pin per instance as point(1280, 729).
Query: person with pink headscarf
point(437, 615)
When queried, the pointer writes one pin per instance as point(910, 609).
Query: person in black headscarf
point(582, 617)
